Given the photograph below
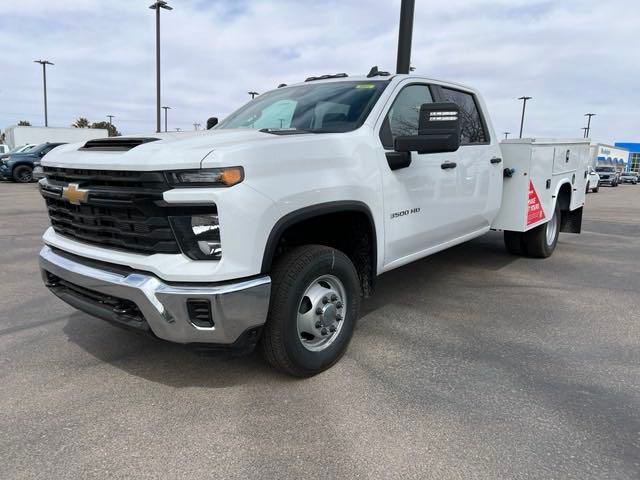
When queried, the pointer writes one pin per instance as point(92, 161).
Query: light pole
point(110, 117)
point(506, 135)
point(165, 117)
point(157, 6)
point(253, 94)
point(588, 130)
point(405, 35)
point(44, 64)
point(584, 132)
point(524, 106)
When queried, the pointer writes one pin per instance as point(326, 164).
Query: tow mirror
point(438, 130)
point(212, 122)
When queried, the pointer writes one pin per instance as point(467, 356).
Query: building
point(634, 155)
point(610, 156)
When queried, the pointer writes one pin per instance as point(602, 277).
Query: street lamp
point(110, 117)
point(588, 130)
point(44, 64)
point(506, 135)
point(524, 106)
point(253, 94)
point(165, 117)
point(157, 6)
point(584, 132)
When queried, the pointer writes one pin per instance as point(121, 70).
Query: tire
point(514, 243)
point(540, 242)
point(292, 344)
point(595, 190)
point(23, 174)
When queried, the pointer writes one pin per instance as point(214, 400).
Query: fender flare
point(312, 211)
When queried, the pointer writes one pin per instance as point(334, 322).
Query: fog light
point(206, 232)
point(198, 236)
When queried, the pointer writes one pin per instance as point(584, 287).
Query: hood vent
point(117, 144)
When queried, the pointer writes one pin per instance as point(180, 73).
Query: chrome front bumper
point(236, 308)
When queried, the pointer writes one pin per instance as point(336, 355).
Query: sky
point(571, 56)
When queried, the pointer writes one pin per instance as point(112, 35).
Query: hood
point(173, 150)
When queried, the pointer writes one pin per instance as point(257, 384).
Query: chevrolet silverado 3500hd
point(268, 229)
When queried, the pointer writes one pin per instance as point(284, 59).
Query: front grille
point(123, 210)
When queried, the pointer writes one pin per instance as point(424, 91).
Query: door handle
point(448, 165)
point(496, 160)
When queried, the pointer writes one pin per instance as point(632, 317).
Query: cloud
point(571, 56)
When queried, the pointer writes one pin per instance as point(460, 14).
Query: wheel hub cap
point(320, 313)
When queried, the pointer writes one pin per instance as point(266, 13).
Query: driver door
point(416, 198)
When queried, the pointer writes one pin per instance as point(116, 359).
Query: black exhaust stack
point(405, 35)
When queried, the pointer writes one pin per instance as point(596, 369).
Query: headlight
point(198, 236)
point(207, 177)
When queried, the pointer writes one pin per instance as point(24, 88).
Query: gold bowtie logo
point(73, 194)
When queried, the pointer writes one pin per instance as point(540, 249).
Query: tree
point(113, 131)
point(24, 123)
point(81, 122)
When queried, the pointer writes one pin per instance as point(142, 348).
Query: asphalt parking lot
point(469, 364)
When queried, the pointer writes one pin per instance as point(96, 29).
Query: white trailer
point(18, 135)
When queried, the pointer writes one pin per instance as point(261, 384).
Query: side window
point(403, 117)
point(472, 127)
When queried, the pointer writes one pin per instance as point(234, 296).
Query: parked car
point(19, 166)
point(629, 177)
point(593, 181)
point(608, 176)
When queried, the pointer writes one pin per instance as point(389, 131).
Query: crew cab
point(270, 228)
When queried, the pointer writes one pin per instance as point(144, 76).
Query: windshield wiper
point(286, 131)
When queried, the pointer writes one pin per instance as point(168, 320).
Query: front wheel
point(315, 302)
point(23, 174)
point(541, 241)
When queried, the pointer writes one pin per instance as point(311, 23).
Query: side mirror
point(212, 122)
point(438, 130)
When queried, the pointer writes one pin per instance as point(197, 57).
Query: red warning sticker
point(535, 212)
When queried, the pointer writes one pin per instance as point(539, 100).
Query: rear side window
point(472, 127)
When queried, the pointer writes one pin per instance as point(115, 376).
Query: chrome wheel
point(321, 312)
point(552, 230)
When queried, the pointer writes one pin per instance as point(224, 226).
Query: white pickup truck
point(269, 229)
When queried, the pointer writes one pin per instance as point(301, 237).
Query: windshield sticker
point(365, 85)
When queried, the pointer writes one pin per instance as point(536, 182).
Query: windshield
point(319, 108)
point(21, 148)
point(605, 169)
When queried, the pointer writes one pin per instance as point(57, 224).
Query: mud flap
point(571, 221)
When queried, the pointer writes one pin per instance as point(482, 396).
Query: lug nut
point(339, 305)
point(318, 324)
point(338, 317)
point(318, 311)
point(334, 297)
point(325, 300)
point(323, 331)
point(332, 328)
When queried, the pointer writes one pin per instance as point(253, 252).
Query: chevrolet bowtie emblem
point(73, 194)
